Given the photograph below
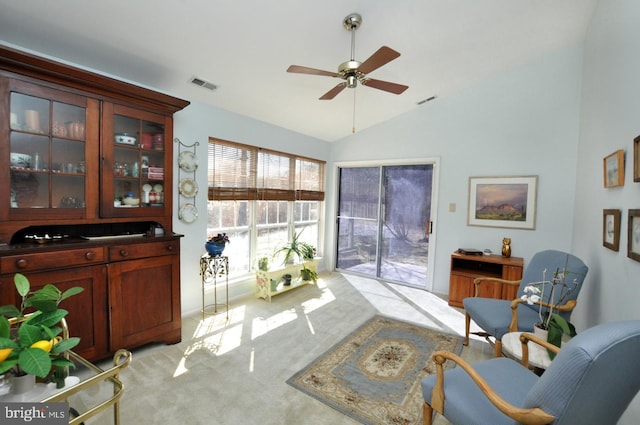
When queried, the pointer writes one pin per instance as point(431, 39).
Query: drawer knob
point(124, 253)
point(170, 248)
point(90, 255)
point(22, 263)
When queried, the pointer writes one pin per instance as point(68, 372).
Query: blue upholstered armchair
point(497, 317)
point(591, 381)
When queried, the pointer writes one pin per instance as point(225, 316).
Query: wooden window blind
point(239, 172)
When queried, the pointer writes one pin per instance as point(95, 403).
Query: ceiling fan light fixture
point(352, 81)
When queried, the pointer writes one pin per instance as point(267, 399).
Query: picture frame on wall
point(508, 202)
point(611, 229)
point(636, 159)
point(633, 235)
point(613, 168)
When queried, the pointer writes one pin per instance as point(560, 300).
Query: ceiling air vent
point(202, 83)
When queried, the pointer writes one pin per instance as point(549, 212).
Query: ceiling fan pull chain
point(353, 127)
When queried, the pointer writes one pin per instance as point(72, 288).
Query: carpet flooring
point(228, 372)
point(373, 375)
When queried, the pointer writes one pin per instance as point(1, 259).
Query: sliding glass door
point(384, 221)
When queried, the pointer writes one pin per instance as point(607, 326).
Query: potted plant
point(300, 251)
point(216, 244)
point(296, 250)
point(308, 274)
point(30, 344)
point(543, 293)
point(263, 263)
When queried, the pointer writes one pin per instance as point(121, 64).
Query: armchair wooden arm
point(525, 337)
point(535, 416)
point(478, 281)
point(513, 326)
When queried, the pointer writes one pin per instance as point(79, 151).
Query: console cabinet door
point(87, 318)
point(144, 299)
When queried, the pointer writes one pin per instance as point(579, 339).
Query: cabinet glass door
point(137, 155)
point(47, 153)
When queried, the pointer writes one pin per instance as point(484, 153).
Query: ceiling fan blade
point(305, 70)
point(382, 56)
point(333, 92)
point(385, 85)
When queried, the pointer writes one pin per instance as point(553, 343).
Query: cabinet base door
point(145, 301)
point(87, 318)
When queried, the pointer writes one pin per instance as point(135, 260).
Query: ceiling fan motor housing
point(349, 72)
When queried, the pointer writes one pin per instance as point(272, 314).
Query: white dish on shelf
point(188, 187)
point(131, 201)
point(20, 160)
point(157, 188)
point(125, 139)
point(188, 213)
point(188, 161)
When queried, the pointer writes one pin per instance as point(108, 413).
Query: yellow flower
point(43, 344)
point(4, 353)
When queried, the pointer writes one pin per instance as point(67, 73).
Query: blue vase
point(214, 249)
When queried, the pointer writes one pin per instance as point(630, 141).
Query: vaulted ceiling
point(244, 47)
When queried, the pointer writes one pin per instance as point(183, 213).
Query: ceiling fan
point(353, 71)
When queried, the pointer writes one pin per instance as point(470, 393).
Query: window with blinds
point(239, 172)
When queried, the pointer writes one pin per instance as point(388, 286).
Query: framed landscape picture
point(613, 167)
point(508, 202)
point(633, 240)
point(611, 229)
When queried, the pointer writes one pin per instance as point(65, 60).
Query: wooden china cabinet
point(88, 200)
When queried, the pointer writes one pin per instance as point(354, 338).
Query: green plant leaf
point(62, 362)
point(5, 327)
point(64, 345)
point(71, 292)
point(28, 334)
point(7, 343)
point(41, 304)
point(6, 365)
point(50, 291)
point(9, 311)
point(35, 361)
point(48, 318)
point(22, 284)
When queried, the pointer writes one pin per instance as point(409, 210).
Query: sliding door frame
point(435, 184)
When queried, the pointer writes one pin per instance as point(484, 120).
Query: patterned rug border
point(343, 409)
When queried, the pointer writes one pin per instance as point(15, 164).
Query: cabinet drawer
point(51, 260)
point(143, 250)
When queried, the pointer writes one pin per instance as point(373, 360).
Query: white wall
point(198, 122)
point(523, 122)
point(610, 121)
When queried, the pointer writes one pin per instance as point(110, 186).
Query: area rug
point(373, 375)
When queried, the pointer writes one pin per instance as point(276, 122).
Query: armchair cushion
point(494, 316)
point(464, 402)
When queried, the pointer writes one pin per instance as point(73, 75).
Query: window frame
point(259, 183)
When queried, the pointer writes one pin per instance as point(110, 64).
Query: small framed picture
point(613, 166)
point(633, 240)
point(611, 229)
point(636, 159)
